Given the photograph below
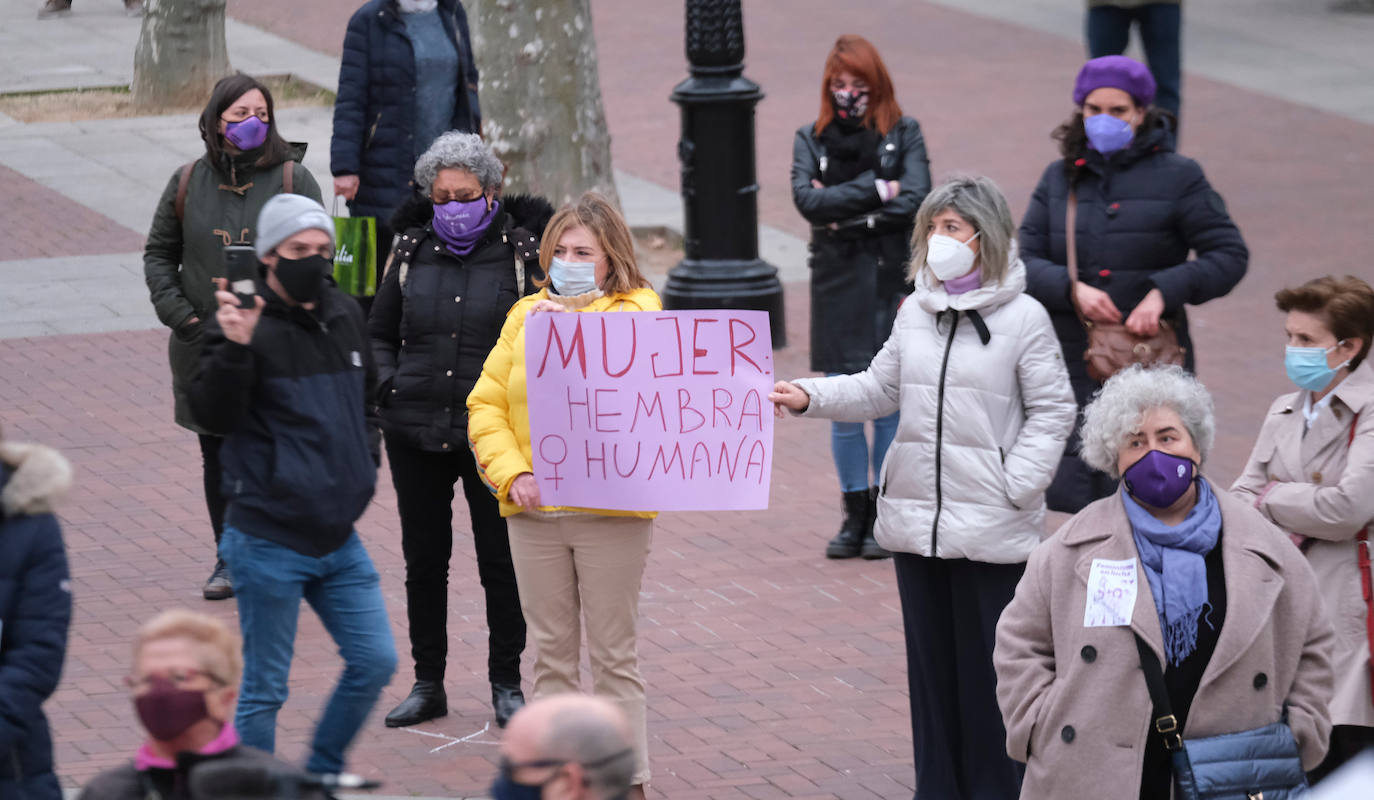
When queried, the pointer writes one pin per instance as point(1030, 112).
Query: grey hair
point(978, 200)
point(599, 744)
point(1117, 408)
point(456, 150)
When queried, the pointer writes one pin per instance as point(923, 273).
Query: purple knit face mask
point(460, 224)
point(248, 134)
point(1159, 479)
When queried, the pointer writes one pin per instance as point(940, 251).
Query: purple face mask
point(248, 134)
point(1159, 479)
point(459, 225)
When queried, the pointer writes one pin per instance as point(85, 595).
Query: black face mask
point(303, 278)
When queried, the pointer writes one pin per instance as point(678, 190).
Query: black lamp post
point(721, 267)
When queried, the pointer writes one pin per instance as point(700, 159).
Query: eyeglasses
point(240, 116)
point(179, 678)
point(508, 767)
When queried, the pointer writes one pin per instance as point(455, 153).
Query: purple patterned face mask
point(248, 134)
point(459, 225)
point(1159, 479)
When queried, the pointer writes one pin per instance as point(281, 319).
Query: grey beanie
point(286, 215)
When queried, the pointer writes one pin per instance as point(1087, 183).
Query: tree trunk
point(181, 53)
point(541, 96)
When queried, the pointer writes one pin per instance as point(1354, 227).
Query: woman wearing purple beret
point(1141, 209)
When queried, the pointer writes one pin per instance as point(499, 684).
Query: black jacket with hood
point(437, 315)
point(295, 405)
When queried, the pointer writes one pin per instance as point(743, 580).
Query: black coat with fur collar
point(437, 315)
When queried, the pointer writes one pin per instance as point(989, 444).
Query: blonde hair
point(217, 645)
point(978, 201)
point(594, 213)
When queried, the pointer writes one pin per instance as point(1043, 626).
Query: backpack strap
point(287, 173)
point(403, 252)
point(525, 248)
point(184, 183)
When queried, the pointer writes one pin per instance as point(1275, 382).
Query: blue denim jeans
point(343, 587)
point(852, 454)
point(1109, 31)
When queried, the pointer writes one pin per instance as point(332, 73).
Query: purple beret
point(1116, 72)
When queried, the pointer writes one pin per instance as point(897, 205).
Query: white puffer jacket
point(986, 408)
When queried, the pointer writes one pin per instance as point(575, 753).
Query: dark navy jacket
point(35, 610)
point(1140, 212)
point(300, 453)
point(374, 113)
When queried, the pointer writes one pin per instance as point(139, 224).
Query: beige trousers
point(585, 567)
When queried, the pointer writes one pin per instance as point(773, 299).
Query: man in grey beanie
point(289, 381)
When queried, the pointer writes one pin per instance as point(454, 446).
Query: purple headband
point(1116, 72)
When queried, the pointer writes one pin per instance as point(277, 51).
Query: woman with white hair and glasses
point(1167, 573)
point(465, 255)
point(975, 369)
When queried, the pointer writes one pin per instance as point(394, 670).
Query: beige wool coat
point(1074, 699)
point(1325, 490)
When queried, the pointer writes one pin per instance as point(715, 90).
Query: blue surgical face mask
point(1107, 134)
point(1307, 366)
point(572, 277)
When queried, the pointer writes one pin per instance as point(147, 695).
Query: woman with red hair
point(859, 172)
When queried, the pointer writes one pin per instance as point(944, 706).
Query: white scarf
point(416, 6)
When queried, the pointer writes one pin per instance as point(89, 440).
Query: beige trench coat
point(1325, 490)
point(1074, 698)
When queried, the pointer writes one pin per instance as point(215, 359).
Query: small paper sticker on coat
point(1111, 593)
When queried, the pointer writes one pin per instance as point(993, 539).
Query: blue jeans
point(343, 587)
point(852, 454)
point(1109, 31)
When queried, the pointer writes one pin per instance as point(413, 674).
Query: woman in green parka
point(209, 204)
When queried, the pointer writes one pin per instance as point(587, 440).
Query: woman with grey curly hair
point(1195, 577)
point(464, 256)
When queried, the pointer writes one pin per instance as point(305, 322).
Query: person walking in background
point(859, 172)
point(183, 683)
point(570, 563)
point(1141, 208)
point(1213, 591)
point(407, 76)
point(464, 257)
point(61, 8)
point(289, 380)
point(974, 367)
point(1108, 31)
point(35, 610)
point(1312, 474)
point(212, 202)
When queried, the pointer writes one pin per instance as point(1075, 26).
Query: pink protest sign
point(651, 410)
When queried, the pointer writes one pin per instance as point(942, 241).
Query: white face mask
point(948, 257)
point(572, 277)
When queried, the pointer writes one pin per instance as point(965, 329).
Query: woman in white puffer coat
point(974, 366)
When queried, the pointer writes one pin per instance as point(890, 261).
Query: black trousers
point(950, 609)
point(424, 494)
point(213, 475)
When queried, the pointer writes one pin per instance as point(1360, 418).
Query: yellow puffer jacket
point(498, 409)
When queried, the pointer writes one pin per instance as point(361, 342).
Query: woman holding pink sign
point(985, 403)
point(570, 563)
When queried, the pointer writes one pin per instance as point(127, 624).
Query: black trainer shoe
point(218, 587)
point(506, 699)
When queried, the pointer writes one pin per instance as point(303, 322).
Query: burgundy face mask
point(166, 711)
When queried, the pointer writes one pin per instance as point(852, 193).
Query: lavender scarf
point(1174, 561)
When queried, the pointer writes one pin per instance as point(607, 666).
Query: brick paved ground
point(771, 671)
point(37, 222)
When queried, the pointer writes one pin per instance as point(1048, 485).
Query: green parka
point(181, 256)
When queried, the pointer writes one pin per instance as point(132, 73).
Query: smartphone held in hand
point(241, 268)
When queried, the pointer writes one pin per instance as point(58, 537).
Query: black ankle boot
point(506, 699)
point(427, 701)
point(849, 541)
point(870, 549)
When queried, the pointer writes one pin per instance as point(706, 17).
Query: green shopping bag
point(355, 254)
